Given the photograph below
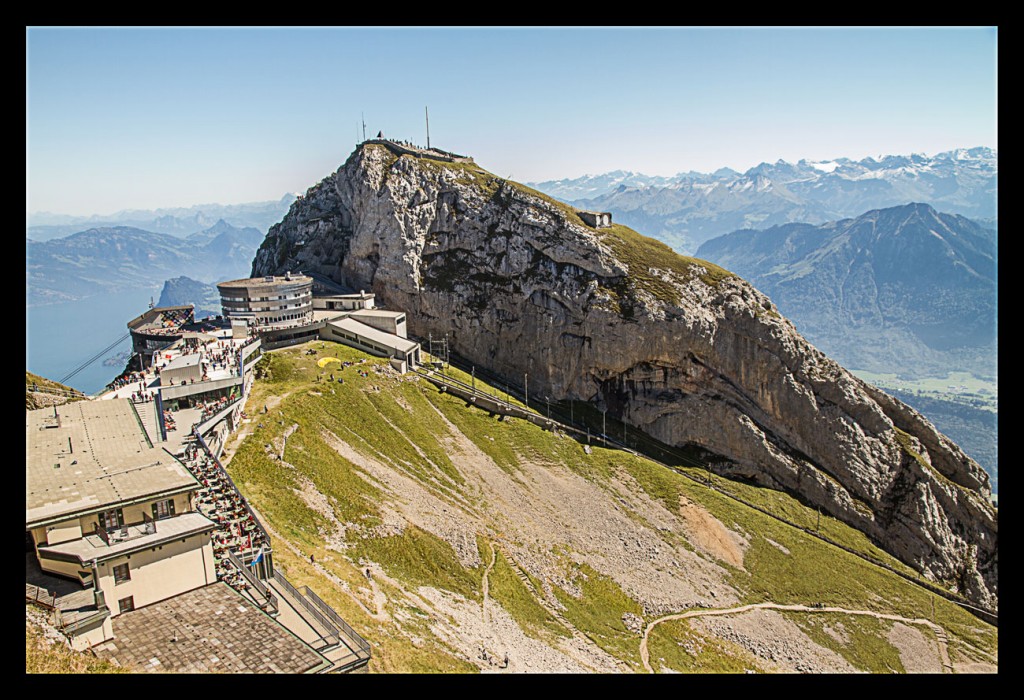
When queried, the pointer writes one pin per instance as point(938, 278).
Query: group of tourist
point(126, 379)
point(237, 530)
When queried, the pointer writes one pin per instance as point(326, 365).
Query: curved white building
point(268, 300)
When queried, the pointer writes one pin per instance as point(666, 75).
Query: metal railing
point(224, 473)
point(332, 636)
point(254, 581)
point(363, 646)
point(40, 596)
point(566, 423)
point(70, 393)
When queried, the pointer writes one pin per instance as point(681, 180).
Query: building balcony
point(101, 545)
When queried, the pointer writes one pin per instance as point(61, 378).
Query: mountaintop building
point(269, 300)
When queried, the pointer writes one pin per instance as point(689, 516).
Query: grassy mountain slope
point(40, 392)
point(488, 537)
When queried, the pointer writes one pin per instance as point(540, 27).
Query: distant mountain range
point(904, 289)
point(185, 290)
point(114, 258)
point(689, 208)
point(178, 221)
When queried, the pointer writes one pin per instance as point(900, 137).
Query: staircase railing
point(332, 636)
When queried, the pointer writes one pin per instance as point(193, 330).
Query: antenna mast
point(427, 113)
point(363, 118)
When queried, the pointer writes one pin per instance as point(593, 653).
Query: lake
point(60, 337)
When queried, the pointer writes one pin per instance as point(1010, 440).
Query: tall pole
point(526, 388)
point(428, 127)
point(604, 426)
point(474, 378)
point(363, 118)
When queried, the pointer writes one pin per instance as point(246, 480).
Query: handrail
point(72, 393)
point(341, 624)
point(332, 635)
point(252, 580)
point(40, 596)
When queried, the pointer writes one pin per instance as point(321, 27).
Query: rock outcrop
point(674, 346)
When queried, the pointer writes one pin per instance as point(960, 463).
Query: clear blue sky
point(144, 118)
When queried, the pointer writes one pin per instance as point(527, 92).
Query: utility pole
point(474, 378)
point(547, 400)
point(604, 426)
point(428, 127)
point(362, 117)
point(526, 389)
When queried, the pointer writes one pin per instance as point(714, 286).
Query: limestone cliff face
point(673, 346)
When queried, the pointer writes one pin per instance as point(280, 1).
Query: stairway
point(294, 614)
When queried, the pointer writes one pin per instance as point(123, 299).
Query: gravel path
point(939, 632)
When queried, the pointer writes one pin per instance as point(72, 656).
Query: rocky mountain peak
point(674, 346)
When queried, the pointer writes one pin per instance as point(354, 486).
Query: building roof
point(379, 313)
point(216, 629)
point(182, 362)
point(328, 314)
point(92, 547)
point(161, 318)
point(104, 457)
point(353, 295)
point(388, 340)
point(294, 278)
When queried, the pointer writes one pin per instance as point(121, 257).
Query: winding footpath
point(940, 634)
point(486, 583)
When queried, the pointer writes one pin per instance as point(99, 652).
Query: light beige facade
point(372, 340)
point(182, 370)
point(108, 510)
point(392, 322)
point(159, 572)
point(344, 302)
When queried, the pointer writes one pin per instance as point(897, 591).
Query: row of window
point(286, 317)
point(114, 518)
point(296, 295)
